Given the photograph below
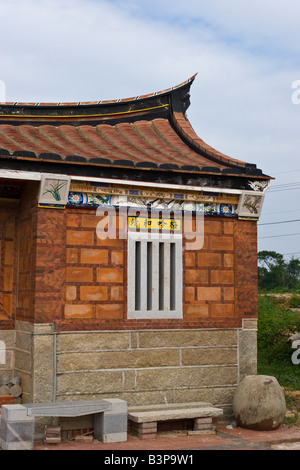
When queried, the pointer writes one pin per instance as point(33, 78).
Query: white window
point(154, 276)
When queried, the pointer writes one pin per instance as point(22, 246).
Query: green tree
point(275, 273)
point(293, 273)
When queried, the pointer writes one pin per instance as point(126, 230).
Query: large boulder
point(259, 403)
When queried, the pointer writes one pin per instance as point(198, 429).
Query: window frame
point(163, 277)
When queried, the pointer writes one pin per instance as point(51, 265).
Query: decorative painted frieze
point(59, 192)
point(94, 200)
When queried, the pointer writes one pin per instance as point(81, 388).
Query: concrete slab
point(173, 414)
point(68, 409)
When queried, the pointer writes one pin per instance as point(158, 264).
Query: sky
point(245, 100)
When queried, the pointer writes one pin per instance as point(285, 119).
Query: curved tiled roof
point(148, 131)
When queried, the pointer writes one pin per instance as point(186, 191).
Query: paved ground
point(283, 438)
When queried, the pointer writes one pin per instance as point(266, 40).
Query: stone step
point(172, 412)
point(166, 406)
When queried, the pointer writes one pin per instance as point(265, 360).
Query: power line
point(282, 222)
point(279, 212)
point(276, 236)
point(282, 172)
point(284, 187)
point(281, 190)
point(284, 184)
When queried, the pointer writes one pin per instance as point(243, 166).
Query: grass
point(276, 323)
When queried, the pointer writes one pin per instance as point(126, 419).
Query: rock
point(259, 403)
point(4, 390)
point(4, 379)
point(232, 425)
point(16, 381)
point(16, 391)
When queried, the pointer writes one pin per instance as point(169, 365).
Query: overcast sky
point(243, 102)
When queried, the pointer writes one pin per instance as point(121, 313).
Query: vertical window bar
point(149, 276)
point(172, 276)
point(161, 269)
point(155, 275)
point(166, 281)
point(137, 275)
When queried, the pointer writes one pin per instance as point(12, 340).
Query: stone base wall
point(142, 367)
point(23, 357)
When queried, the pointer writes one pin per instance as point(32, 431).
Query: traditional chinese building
point(104, 290)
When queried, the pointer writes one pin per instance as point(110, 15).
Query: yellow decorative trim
point(154, 223)
point(50, 206)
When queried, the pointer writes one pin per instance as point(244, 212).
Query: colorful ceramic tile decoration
point(217, 209)
point(95, 200)
point(88, 199)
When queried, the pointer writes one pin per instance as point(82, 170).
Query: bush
point(295, 301)
point(275, 326)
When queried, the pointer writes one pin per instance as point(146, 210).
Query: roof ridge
point(93, 103)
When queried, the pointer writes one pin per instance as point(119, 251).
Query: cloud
point(261, 25)
point(245, 53)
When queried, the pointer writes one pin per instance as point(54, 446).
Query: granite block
point(115, 437)
point(14, 412)
point(17, 431)
point(109, 424)
point(117, 405)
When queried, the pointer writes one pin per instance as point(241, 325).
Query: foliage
point(275, 326)
point(295, 301)
point(274, 273)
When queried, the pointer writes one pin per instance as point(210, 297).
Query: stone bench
point(17, 421)
point(143, 419)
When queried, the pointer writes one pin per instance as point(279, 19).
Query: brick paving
point(283, 438)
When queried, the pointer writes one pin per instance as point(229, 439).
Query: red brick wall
point(245, 259)
point(68, 276)
point(8, 264)
point(95, 271)
point(27, 213)
point(219, 281)
point(50, 265)
point(209, 275)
